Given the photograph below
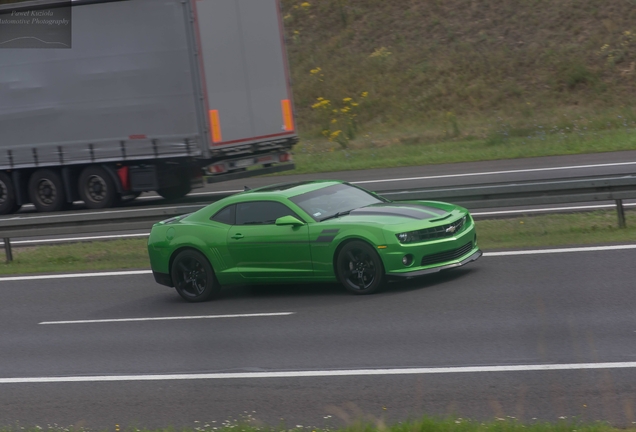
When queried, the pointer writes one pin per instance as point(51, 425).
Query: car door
point(264, 250)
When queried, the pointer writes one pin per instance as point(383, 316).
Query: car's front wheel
point(193, 277)
point(359, 268)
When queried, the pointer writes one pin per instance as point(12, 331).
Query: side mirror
point(289, 220)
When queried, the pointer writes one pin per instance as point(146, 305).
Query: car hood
point(418, 211)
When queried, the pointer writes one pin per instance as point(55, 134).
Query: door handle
point(237, 236)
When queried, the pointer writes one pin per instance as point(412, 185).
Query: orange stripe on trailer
point(215, 124)
point(287, 115)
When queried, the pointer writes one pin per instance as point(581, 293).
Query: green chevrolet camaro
point(309, 232)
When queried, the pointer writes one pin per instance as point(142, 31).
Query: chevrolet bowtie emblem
point(451, 229)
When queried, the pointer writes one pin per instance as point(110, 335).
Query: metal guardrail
point(89, 222)
point(476, 196)
point(531, 193)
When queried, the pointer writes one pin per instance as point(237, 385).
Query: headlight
point(406, 237)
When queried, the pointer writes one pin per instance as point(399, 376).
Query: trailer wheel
point(46, 191)
point(97, 188)
point(8, 202)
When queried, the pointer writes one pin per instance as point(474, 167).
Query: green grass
point(426, 424)
point(407, 148)
point(600, 227)
point(78, 257)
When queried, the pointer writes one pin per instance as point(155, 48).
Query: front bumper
point(473, 257)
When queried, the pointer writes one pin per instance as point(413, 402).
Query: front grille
point(446, 256)
point(442, 231)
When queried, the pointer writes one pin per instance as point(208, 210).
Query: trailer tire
point(8, 201)
point(96, 188)
point(46, 191)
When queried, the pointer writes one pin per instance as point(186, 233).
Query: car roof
point(291, 189)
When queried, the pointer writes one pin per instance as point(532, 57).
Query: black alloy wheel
point(193, 277)
point(46, 191)
point(359, 268)
point(97, 188)
point(8, 202)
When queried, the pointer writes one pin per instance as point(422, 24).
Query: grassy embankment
point(459, 80)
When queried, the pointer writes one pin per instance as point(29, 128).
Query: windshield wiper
point(333, 216)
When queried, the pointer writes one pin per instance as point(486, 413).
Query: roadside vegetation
point(589, 228)
point(381, 83)
point(427, 424)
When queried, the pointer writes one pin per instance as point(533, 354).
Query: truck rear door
point(243, 68)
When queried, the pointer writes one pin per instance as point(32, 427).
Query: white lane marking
point(169, 318)
point(107, 212)
point(563, 250)
point(75, 275)
point(492, 254)
point(486, 173)
point(552, 209)
point(196, 194)
point(72, 239)
point(320, 373)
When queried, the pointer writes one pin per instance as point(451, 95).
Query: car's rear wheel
point(193, 277)
point(359, 268)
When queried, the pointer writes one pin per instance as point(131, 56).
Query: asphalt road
point(529, 310)
point(483, 172)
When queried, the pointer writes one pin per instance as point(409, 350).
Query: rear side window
point(261, 213)
point(226, 215)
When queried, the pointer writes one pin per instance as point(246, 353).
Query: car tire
point(97, 188)
point(8, 202)
point(46, 191)
point(359, 268)
point(193, 277)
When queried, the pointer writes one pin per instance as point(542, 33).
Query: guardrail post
point(621, 213)
point(7, 249)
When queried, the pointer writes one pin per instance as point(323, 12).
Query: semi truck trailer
point(152, 95)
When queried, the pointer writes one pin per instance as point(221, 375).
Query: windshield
point(325, 203)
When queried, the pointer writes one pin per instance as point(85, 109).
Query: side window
point(226, 215)
point(261, 213)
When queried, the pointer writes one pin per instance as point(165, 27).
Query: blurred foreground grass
point(599, 227)
point(427, 424)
